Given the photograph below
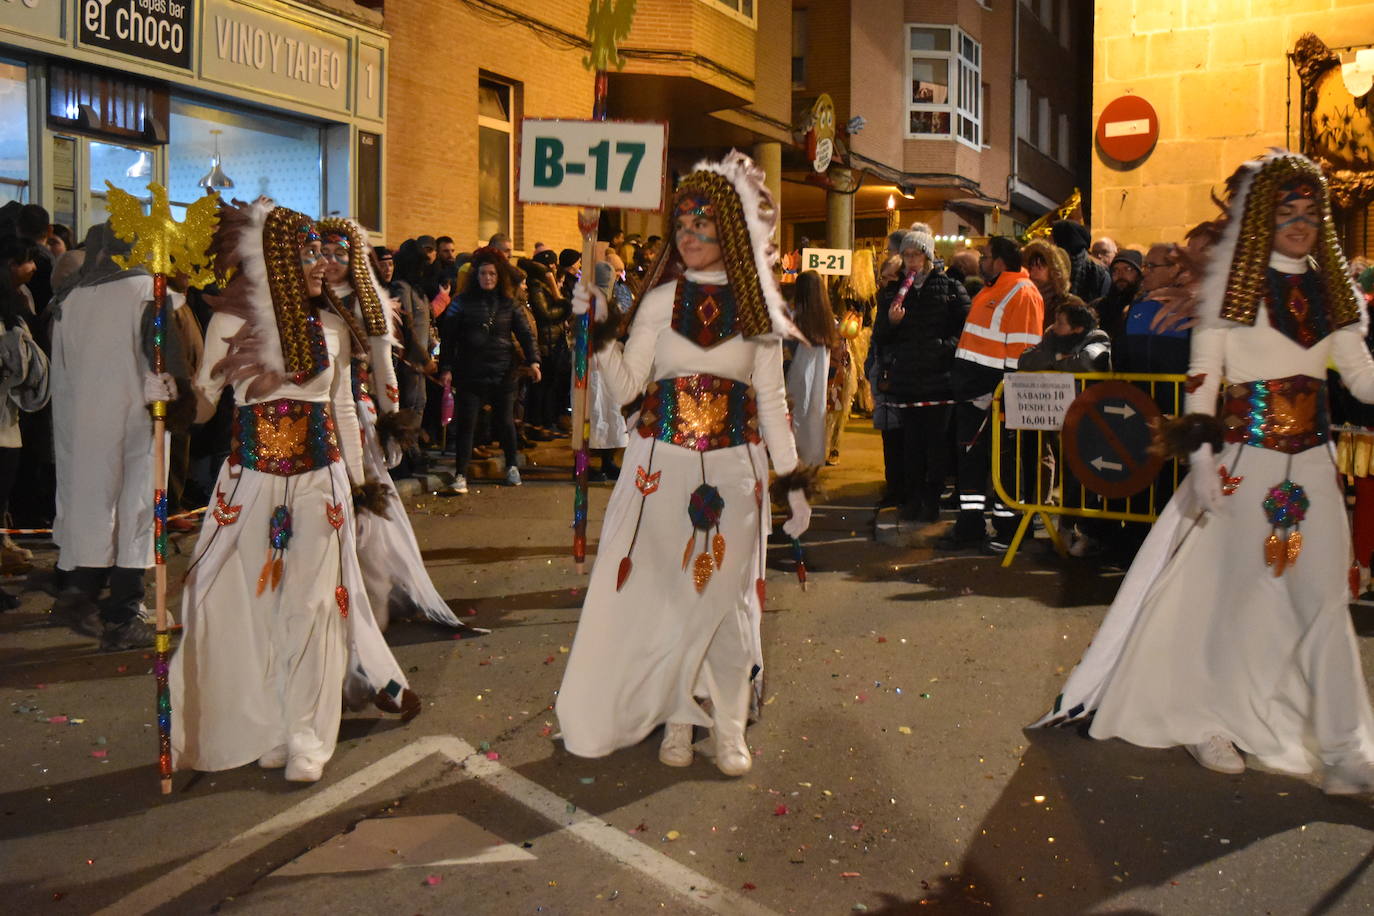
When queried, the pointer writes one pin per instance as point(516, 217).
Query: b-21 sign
point(617, 164)
point(829, 262)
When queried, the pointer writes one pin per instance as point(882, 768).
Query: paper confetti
point(904, 729)
point(434, 880)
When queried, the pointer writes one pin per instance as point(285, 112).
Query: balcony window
point(944, 73)
point(739, 9)
point(495, 152)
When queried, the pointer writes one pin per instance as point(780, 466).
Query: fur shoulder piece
point(1179, 437)
point(370, 497)
point(803, 477)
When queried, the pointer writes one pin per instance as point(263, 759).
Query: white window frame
point(508, 128)
point(750, 19)
point(965, 98)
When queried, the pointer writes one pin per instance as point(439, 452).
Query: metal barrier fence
point(1030, 474)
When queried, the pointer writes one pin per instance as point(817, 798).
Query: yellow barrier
point(1033, 496)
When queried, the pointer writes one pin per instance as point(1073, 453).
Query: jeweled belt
point(284, 437)
point(1286, 415)
point(701, 412)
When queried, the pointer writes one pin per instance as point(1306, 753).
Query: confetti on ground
point(882, 639)
point(904, 729)
point(587, 780)
point(563, 650)
point(492, 755)
point(546, 731)
point(671, 835)
point(57, 720)
point(636, 830)
point(780, 810)
point(748, 886)
point(433, 880)
point(851, 874)
point(100, 755)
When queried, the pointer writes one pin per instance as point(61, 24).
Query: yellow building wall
point(1216, 72)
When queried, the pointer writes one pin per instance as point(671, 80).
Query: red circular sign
point(1127, 128)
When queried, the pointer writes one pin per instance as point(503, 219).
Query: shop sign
point(593, 163)
point(250, 48)
point(39, 18)
point(153, 30)
point(830, 262)
point(371, 88)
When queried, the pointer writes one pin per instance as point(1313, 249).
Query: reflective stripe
point(1031, 339)
point(992, 362)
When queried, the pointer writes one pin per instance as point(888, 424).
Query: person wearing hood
point(551, 312)
point(1088, 280)
point(102, 384)
point(1072, 344)
point(476, 354)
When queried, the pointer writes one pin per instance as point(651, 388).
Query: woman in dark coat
point(477, 353)
point(920, 317)
point(551, 312)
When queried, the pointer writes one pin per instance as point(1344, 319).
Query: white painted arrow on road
point(1124, 411)
point(1101, 463)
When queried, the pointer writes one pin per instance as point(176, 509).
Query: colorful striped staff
point(163, 246)
point(608, 21)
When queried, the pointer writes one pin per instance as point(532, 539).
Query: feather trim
point(1179, 437)
point(255, 350)
point(761, 216)
point(401, 427)
point(803, 477)
point(605, 333)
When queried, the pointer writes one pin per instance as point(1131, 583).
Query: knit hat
point(547, 256)
point(1133, 258)
point(568, 257)
point(921, 240)
point(427, 241)
point(1071, 236)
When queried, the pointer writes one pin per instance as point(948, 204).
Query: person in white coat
point(662, 628)
point(808, 375)
point(1231, 633)
point(276, 614)
point(103, 440)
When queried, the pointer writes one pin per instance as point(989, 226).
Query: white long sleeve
point(771, 392)
point(1207, 358)
point(1350, 353)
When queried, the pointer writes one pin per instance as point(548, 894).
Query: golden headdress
point(371, 300)
point(257, 247)
point(1236, 282)
point(745, 216)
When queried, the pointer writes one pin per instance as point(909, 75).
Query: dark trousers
point(9, 473)
point(894, 466)
point(126, 590)
point(412, 385)
point(468, 399)
point(925, 455)
point(973, 433)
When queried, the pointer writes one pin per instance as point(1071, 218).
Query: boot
point(730, 716)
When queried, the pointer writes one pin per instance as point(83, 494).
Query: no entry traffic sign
point(1127, 129)
point(1107, 434)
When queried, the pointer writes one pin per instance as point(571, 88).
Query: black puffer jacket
point(475, 337)
point(918, 353)
point(551, 311)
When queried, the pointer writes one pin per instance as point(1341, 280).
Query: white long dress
point(1202, 638)
point(392, 565)
point(102, 432)
point(259, 670)
point(807, 378)
point(644, 652)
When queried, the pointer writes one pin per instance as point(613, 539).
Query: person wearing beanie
point(569, 265)
point(1088, 279)
point(920, 317)
point(1126, 273)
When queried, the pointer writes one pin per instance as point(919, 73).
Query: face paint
point(1308, 218)
point(700, 237)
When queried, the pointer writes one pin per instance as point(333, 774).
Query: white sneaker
point(1218, 754)
point(732, 754)
point(1349, 778)
point(459, 487)
point(512, 476)
point(301, 769)
point(274, 759)
point(676, 749)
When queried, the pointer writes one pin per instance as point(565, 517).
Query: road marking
point(654, 865)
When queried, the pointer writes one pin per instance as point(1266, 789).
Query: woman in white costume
point(662, 627)
point(276, 614)
point(390, 556)
point(1231, 633)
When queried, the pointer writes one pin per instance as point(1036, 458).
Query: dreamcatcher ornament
point(1285, 506)
point(278, 538)
point(704, 508)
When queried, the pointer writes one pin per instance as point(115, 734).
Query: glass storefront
point(264, 155)
point(14, 139)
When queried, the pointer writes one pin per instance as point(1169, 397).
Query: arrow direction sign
point(1124, 411)
point(1103, 464)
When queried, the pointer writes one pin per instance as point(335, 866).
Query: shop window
point(495, 153)
point(14, 142)
point(263, 155)
point(944, 72)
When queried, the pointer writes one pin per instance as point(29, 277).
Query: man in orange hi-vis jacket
point(1006, 319)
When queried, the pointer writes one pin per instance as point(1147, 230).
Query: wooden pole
point(162, 644)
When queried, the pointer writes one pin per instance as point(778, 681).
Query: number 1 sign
point(593, 163)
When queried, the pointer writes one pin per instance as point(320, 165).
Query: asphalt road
point(892, 771)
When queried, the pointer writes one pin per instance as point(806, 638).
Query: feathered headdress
point(374, 303)
point(1236, 283)
point(257, 246)
point(746, 217)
